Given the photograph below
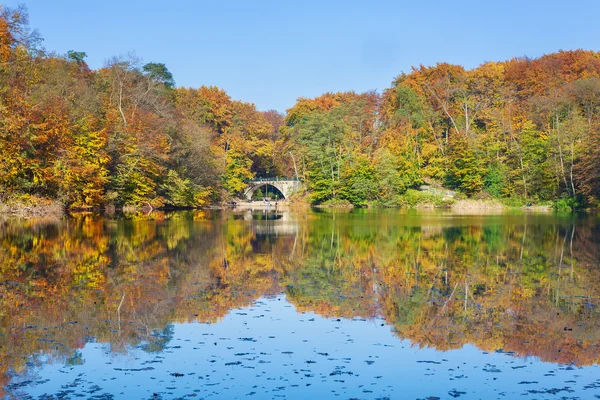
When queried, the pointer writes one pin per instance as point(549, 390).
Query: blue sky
point(271, 52)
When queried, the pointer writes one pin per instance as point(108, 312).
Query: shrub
point(567, 204)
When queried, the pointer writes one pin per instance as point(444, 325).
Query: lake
point(348, 304)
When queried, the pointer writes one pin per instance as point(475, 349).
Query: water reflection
point(526, 284)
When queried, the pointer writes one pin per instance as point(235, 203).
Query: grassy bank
point(418, 199)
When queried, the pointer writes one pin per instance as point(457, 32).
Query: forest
point(522, 130)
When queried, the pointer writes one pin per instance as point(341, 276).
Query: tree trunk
point(294, 161)
point(571, 169)
point(560, 154)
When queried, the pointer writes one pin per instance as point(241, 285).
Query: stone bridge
point(285, 185)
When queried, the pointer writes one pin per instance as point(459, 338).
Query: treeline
point(524, 129)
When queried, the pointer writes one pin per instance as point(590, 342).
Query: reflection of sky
point(271, 351)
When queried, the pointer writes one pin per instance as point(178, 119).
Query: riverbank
point(31, 207)
point(458, 207)
point(471, 206)
point(34, 207)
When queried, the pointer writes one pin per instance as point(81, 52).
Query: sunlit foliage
point(525, 129)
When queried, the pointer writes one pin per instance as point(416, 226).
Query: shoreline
point(32, 208)
point(38, 208)
point(493, 206)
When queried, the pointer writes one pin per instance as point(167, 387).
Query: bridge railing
point(273, 178)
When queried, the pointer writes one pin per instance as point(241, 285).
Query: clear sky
point(271, 52)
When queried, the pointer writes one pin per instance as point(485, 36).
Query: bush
point(336, 203)
point(567, 204)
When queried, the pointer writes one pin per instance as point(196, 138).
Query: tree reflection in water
point(517, 283)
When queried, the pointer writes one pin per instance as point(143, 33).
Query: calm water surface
point(361, 304)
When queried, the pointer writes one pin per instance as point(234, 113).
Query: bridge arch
point(270, 188)
point(285, 186)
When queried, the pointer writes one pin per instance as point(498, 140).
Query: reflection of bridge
point(285, 185)
point(270, 223)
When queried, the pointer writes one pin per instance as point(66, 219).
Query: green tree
point(160, 73)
